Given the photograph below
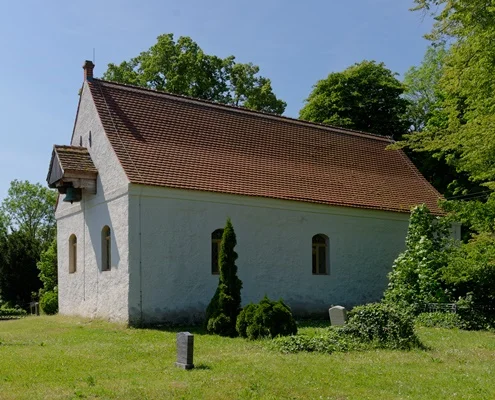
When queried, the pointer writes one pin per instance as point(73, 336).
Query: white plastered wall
point(90, 291)
point(170, 250)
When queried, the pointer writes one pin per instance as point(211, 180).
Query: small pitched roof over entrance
point(71, 166)
point(178, 142)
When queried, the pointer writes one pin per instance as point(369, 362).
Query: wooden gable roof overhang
point(72, 167)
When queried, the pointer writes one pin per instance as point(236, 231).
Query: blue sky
point(44, 43)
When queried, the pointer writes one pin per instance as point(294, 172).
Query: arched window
point(106, 249)
point(72, 254)
point(216, 240)
point(321, 259)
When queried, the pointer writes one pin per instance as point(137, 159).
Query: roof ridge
point(248, 111)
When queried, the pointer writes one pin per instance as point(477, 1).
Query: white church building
point(149, 179)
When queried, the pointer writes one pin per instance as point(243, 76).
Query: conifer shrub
point(49, 302)
point(382, 325)
point(266, 319)
point(224, 307)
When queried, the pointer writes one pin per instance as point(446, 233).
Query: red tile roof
point(178, 142)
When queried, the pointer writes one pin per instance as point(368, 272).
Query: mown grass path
point(64, 358)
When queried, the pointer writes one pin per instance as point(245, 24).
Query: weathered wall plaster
point(90, 291)
point(170, 236)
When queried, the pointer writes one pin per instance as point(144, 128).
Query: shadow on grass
point(202, 366)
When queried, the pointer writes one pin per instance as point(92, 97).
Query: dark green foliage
point(244, 318)
point(416, 274)
point(475, 316)
point(182, 67)
point(366, 96)
point(49, 302)
point(221, 314)
point(439, 320)
point(11, 312)
point(266, 319)
point(470, 272)
point(382, 325)
point(18, 271)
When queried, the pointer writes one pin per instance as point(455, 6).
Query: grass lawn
point(63, 358)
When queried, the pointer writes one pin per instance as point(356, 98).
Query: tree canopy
point(365, 96)
point(182, 67)
point(27, 227)
point(462, 129)
point(30, 208)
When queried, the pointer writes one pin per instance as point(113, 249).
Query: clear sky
point(44, 43)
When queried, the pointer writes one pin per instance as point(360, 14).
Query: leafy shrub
point(382, 325)
point(439, 320)
point(224, 307)
point(49, 302)
point(474, 317)
point(266, 319)
point(416, 274)
point(333, 340)
point(9, 312)
point(470, 273)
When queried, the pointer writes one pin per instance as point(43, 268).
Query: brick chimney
point(88, 70)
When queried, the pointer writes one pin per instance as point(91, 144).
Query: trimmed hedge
point(266, 319)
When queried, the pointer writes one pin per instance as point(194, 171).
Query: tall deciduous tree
point(224, 307)
point(365, 96)
point(465, 133)
point(425, 111)
point(47, 266)
point(18, 272)
point(181, 67)
point(30, 208)
point(27, 227)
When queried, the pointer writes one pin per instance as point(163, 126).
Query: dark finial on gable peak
point(88, 70)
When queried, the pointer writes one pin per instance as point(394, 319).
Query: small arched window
point(321, 259)
point(216, 240)
point(72, 254)
point(106, 249)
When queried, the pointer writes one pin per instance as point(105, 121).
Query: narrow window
point(216, 239)
point(321, 261)
point(106, 249)
point(72, 254)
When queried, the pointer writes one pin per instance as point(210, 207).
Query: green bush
point(439, 320)
point(49, 302)
point(333, 340)
point(416, 273)
point(9, 312)
point(224, 307)
point(266, 319)
point(474, 317)
point(383, 326)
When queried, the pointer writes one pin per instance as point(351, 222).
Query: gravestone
point(185, 348)
point(338, 315)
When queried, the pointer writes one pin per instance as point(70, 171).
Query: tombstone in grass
point(338, 315)
point(185, 348)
